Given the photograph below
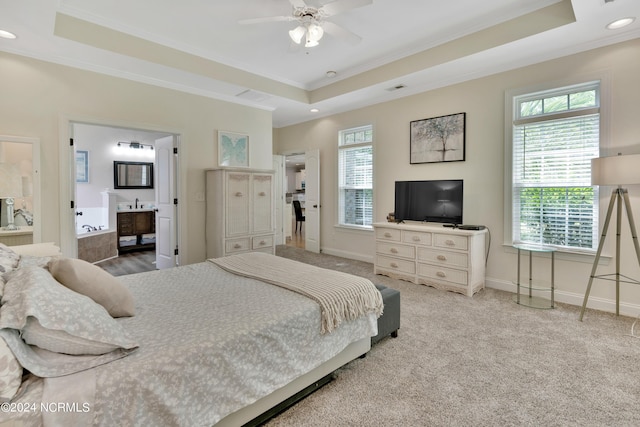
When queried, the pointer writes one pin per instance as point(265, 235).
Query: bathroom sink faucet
point(137, 203)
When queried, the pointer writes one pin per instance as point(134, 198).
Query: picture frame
point(82, 166)
point(438, 139)
point(233, 149)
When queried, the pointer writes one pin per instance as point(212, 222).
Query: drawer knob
point(262, 242)
point(416, 238)
point(450, 242)
point(237, 246)
point(393, 250)
point(387, 234)
point(442, 258)
point(262, 194)
point(239, 194)
point(441, 274)
point(394, 265)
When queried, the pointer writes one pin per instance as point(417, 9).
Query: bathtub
point(95, 217)
point(96, 246)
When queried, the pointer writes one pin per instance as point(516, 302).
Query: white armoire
point(240, 211)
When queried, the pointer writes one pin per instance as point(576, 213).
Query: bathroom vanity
point(136, 230)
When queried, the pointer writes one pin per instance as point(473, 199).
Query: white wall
point(483, 171)
point(39, 99)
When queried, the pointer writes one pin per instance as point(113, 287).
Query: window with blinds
point(555, 136)
point(355, 177)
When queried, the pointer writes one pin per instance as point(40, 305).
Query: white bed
point(211, 348)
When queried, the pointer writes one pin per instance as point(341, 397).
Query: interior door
point(166, 209)
point(312, 201)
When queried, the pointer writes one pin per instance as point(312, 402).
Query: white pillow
point(10, 373)
point(67, 322)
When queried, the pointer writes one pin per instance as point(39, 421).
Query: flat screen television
point(430, 201)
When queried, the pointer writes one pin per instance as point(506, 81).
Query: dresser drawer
point(416, 238)
point(393, 249)
point(258, 242)
point(237, 245)
point(388, 234)
point(442, 273)
point(451, 241)
point(394, 264)
point(445, 258)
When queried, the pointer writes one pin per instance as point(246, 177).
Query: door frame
point(67, 185)
point(284, 175)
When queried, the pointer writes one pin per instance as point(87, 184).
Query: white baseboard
point(345, 254)
point(596, 303)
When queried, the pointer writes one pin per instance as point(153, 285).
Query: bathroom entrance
point(124, 178)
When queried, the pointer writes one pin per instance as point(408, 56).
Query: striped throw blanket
point(341, 296)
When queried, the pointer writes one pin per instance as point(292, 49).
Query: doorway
point(113, 220)
point(295, 178)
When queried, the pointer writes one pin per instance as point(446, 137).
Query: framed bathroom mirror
point(132, 174)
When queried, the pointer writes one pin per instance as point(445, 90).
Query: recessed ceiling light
point(314, 110)
point(7, 35)
point(619, 23)
point(331, 74)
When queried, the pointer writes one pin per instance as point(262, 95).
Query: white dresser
point(240, 211)
point(445, 258)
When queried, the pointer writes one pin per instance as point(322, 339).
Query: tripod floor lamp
point(615, 171)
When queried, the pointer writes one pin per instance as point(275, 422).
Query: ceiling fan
point(312, 23)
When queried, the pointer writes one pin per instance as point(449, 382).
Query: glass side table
point(530, 300)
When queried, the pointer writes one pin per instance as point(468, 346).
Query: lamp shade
point(10, 181)
point(616, 170)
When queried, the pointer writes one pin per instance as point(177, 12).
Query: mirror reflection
point(16, 193)
point(133, 174)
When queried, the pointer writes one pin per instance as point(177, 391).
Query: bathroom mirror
point(132, 174)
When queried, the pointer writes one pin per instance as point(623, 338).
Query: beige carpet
point(480, 361)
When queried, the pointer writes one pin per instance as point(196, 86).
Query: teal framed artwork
point(82, 166)
point(233, 149)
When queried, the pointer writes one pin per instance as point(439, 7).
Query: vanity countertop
point(137, 210)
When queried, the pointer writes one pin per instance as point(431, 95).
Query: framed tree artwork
point(438, 139)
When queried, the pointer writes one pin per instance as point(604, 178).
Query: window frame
point(510, 113)
point(342, 145)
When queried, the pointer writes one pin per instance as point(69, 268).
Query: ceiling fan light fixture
point(297, 34)
point(314, 34)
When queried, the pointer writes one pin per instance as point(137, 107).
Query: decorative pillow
point(8, 259)
point(37, 249)
point(65, 321)
point(92, 281)
point(10, 373)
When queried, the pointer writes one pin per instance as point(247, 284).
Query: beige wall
point(483, 171)
point(38, 100)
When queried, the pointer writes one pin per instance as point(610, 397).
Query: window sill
point(363, 228)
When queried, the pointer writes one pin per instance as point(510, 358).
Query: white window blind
point(355, 177)
point(555, 136)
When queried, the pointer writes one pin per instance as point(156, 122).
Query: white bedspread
point(210, 343)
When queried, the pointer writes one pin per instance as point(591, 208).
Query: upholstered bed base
point(248, 413)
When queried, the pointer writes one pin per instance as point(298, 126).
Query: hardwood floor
point(297, 239)
point(130, 263)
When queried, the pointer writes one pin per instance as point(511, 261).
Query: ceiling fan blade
point(298, 4)
point(341, 33)
point(340, 6)
point(266, 19)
